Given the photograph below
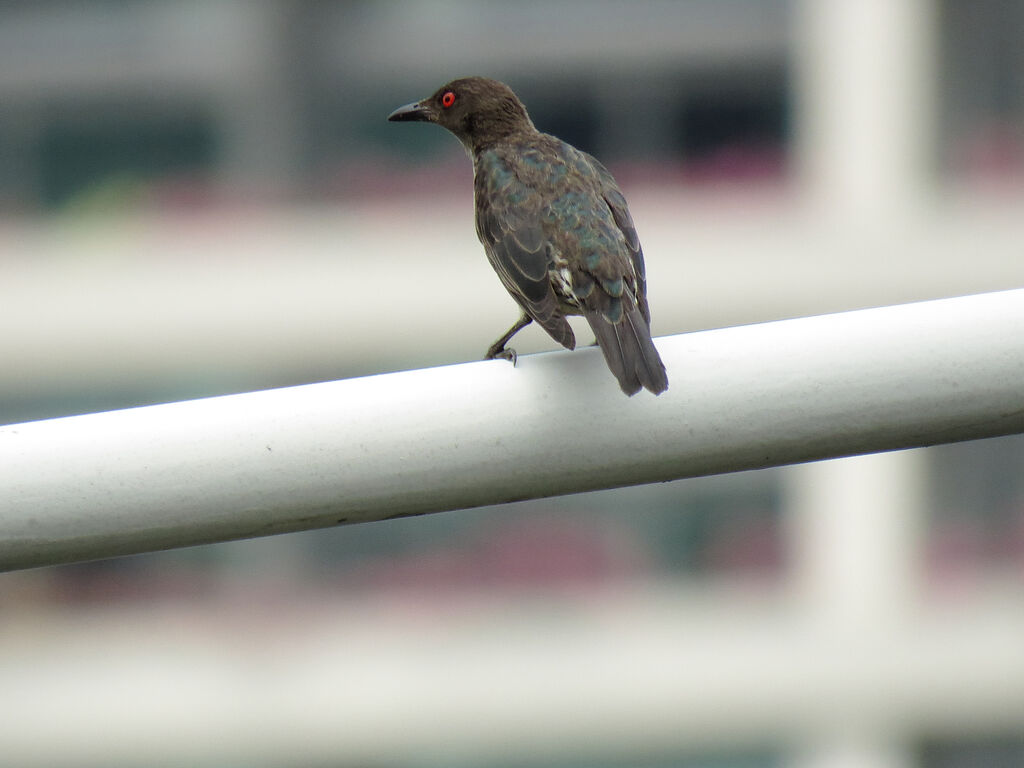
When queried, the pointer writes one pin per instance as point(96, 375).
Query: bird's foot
point(503, 353)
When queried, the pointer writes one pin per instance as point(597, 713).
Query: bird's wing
point(508, 223)
point(620, 212)
point(611, 285)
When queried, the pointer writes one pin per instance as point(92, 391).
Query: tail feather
point(630, 352)
point(649, 368)
point(610, 342)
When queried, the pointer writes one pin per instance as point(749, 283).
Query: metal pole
point(479, 433)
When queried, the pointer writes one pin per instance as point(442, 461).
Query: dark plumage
point(555, 227)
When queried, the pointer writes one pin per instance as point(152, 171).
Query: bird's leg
point(497, 349)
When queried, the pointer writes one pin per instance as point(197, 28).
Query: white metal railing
point(481, 433)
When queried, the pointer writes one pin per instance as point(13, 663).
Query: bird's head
point(478, 110)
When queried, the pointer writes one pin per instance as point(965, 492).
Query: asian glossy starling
point(555, 227)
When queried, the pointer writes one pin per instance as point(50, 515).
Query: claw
point(505, 353)
point(498, 349)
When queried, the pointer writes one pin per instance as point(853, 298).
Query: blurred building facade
point(185, 187)
point(276, 98)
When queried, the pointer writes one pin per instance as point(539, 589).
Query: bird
point(555, 227)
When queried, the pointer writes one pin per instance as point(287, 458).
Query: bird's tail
point(630, 352)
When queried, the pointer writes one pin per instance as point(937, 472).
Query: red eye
point(448, 99)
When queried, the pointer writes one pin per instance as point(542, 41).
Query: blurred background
point(203, 197)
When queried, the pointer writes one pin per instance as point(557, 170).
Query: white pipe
point(479, 433)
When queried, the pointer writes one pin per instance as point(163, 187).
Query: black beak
point(416, 111)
